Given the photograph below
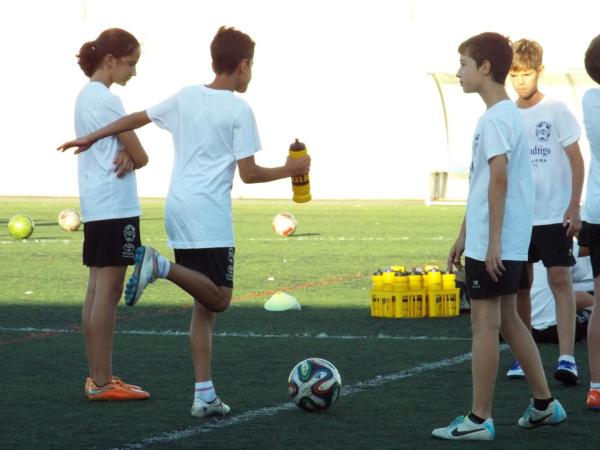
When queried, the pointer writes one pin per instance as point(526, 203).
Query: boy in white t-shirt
point(495, 237)
point(558, 173)
point(591, 214)
point(213, 132)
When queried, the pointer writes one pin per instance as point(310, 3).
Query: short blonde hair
point(527, 55)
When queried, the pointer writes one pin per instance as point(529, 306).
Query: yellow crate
point(415, 304)
point(443, 303)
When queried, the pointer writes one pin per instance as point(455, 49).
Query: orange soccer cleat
point(593, 400)
point(89, 381)
point(114, 391)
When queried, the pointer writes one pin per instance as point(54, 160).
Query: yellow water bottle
point(300, 183)
point(376, 293)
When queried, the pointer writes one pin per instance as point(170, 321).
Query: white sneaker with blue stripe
point(552, 415)
point(145, 272)
point(463, 428)
point(515, 371)
point(566, 372)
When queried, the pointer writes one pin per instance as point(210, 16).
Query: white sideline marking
point(380, 380)
point(176, 333)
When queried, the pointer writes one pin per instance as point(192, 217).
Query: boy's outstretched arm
point(125, 123)
point(572, 217)
point(250, 172)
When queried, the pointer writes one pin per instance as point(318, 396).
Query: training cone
point(280, 301)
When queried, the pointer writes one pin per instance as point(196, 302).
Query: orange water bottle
point(300, 183)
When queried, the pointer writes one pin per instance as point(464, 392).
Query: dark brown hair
point(228, 48)
point(114, 41)
point(491, 47)
point(592, 59)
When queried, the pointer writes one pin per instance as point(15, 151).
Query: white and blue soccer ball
point(314, 384)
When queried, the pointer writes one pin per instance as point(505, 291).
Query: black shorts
point(215, 263)
point(551, 244)
point(480, 284)
point(550, 334)
point(110, 243)
point(590, 237)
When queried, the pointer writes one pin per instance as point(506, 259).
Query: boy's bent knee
point(222, 304)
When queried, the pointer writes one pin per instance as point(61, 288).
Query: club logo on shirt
point(129, 233)
point(542, 131)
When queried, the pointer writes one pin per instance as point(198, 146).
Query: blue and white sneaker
point(515, 372)
point(566, 373)
point(552, 415)
point(463, 428)
point(145, 272)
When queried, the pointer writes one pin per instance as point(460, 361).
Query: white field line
point(275, 239)
point(215, 424)
point(176, 333)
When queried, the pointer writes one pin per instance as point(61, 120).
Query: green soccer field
point(401, 378)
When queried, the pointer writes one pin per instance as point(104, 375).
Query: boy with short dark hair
point(557, 165)
point(591, 214)
point(495, 237)
point(213, 132)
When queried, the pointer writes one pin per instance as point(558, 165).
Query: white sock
point(205, 391)
point(595, 386)
point(163, 265)
point(568, 358)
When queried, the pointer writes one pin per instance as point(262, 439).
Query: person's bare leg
point(201, 333)
point(559, 279)
point(485, 325)
point(524, 299)
point(520, 341)
point(109, 287)
point(200, 287)
point(86, 313)
point(593, 336)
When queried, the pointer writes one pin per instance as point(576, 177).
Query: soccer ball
point(314, 384)
point(69, 220)
point(284, 224)
point(20, 226)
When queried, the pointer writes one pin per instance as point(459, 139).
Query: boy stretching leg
point(214, 131)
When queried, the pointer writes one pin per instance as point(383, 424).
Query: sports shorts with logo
point(112, 242)
point(480, 284)
point(551, 244)
point(215, 263)
point(590, 237)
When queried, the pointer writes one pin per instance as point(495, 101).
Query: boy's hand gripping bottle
point(300, 184)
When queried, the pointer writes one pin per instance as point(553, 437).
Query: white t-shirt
point(101, 194)
point(543, 306)
point(591, 120)
point(500, 131)
point(550, 128)
point(211, 129)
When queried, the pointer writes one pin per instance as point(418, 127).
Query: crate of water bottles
point(421, 292)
